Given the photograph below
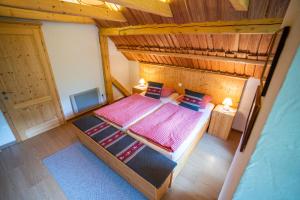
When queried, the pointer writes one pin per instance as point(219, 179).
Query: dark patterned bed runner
point(148, 163)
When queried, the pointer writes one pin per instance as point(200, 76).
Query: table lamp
point(227, 103)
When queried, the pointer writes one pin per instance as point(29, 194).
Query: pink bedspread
point(168, 126)
point(127, 110)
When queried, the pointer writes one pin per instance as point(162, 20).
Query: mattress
point(184, 146)
point(172, 98)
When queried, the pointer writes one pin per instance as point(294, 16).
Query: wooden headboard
point(216, 85)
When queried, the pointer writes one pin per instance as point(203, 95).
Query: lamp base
point(226, 108)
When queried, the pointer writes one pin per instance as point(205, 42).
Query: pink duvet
point(168, 126)
point(127, 110)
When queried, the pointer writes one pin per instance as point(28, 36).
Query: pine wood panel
point(32, 14)
point(264, 25)
point(26, 84)
point(187, 11)
point(241, 46)
point(221, 122)
point(62, 7)
point(215, 85)
point(157, 7)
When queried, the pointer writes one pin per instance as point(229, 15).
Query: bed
point(182, 150)
point(146, 169)
point(129, 110)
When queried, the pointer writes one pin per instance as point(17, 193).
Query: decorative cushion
point(166, 91)
point(154, 90)
point(194, 100)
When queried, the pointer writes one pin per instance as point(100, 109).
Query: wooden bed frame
point(150, 191)
point(184, 157)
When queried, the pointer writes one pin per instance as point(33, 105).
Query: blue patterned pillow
point(154, 90)
point(192, 100)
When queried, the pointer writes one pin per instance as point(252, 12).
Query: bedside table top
point(140, 87)
point(220, 108)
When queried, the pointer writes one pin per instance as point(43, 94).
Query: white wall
point(245, 104)
point(74, 54)
point(6, 135)
point(123, 70)
point(134, 72)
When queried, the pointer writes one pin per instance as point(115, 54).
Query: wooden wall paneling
point(201, 64)
point(216, 85)
point(239, 68)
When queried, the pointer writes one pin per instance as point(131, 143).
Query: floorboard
point(23, 176)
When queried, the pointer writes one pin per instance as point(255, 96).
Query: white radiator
point(87, 99)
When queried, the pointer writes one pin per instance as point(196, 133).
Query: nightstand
point(138, 89)
point(221, 122)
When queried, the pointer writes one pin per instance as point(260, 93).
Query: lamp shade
point(142, 81)
point(227, 102)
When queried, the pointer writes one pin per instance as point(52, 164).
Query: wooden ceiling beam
point(194, 56)
point(157, 7)
point(233, 75)
point(120, 87)
point(106, 68)
point(240, 5)
point(32, 14)
point(60, 7)
point(269, 25)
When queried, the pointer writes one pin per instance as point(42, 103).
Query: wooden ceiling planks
point(187, 11)
point(241, 44)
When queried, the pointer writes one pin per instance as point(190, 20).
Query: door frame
point(35, 26)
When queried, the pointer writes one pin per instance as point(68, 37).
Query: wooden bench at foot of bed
point(144, 168)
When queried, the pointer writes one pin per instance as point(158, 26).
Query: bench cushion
point(148, 163)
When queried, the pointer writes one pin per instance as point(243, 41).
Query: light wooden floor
point(23, 176)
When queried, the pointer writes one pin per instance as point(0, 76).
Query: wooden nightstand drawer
point(221, 122)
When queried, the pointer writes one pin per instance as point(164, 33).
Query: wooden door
point(27, 92)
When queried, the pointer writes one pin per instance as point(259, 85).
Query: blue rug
point(81, 175)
